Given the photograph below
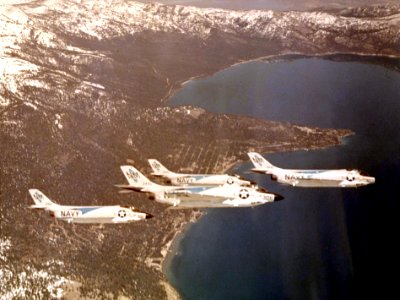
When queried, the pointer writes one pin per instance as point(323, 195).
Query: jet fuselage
point(205, 180)
point(310, 178)
point(87, 214)
point(97, 214)
point(321, 178)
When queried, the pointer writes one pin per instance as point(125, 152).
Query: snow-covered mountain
point(50, 24)
point(112, 18)
point(83, 86)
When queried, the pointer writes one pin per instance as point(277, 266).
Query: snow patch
point(57, 122)
point(129, 140)
point(321, 18)
point(26, 279)
point(47, 39)
point(17, 284)
point(31, 105)
point(36, 83)
point(4, 102)
point(12, 122)
point(96, 85)
point(5, 245)
point(14, 66)
point(13, 71)
point(13, 13)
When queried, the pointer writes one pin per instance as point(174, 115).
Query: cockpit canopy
point(363, 173)
point(358, 172)
point(132, 208)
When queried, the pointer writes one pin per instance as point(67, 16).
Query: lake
point(317, 243)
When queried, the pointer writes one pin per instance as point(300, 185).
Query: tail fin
point(158, 168)
point(40, 199)
point(135, 178)
point(260, 162)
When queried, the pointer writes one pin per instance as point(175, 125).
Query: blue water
point(317, 243)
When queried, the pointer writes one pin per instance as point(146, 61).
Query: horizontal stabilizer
point(125, 191)
point(122, 186)
point(260, 171)
point(38, 206)
point(128, 187)
point(181, 207)
point(125, 219)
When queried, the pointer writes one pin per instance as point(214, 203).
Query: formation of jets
point(226, 195)
point(198, 190)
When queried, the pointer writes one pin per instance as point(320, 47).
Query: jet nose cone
point(371, 179)
point(278, 197)
point(149, 216)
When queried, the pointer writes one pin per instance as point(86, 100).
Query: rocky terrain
point(85, 85)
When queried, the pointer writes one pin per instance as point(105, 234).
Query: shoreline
point(171, 249)
point(172, 246)
point(271, 58)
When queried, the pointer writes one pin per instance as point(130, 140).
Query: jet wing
point(200, 201)
point(119, 220)
point(260, 171)
point(345, 183)
point(126, 188)
point(125, 219)
point(187, 195)
point(355, 183)
point(192, 204)
point(38, 206)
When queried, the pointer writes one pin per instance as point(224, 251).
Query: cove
point(316, 243)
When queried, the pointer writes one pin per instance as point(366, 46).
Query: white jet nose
point(370, 179)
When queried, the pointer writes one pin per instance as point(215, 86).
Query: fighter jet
point(196, 196)
point(87, 214)
point(310, 178)
point(195, 179)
